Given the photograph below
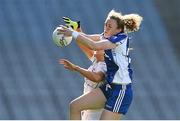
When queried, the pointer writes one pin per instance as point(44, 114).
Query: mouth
point(106, 32)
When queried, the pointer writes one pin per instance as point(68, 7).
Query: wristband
point(75, 34)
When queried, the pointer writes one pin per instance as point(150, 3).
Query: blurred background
point(34, 86)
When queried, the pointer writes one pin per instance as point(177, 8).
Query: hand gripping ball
point(60, 39)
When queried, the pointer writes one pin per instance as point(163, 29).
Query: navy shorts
point(119, 97)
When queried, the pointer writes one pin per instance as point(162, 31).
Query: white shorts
point(91, 114)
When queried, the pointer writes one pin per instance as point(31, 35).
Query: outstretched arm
point(88, 42)
point(93, 76)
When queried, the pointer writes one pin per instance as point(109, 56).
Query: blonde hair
point(132, 22)
point(129, 23)
point(113, 13)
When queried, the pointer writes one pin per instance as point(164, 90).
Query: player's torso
point(118, 61)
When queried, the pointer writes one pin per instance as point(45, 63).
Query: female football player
point(94, 75)
point(115, 95)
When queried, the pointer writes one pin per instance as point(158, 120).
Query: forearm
point(88, 74)
point(88, 42)
point(94, 37)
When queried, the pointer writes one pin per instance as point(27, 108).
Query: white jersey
point(89, 86)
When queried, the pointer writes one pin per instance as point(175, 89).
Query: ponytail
point(131, 22)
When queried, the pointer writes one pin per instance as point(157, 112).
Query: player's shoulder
point(118, 37)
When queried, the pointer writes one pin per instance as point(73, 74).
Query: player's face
point(110, 28)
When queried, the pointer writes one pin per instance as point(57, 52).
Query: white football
point(60, 39)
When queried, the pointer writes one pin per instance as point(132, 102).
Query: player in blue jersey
point(115, 95)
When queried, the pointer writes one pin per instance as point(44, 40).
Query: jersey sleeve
point(101, 67)
point(118, 39)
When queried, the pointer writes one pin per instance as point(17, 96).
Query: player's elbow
point(97, 78)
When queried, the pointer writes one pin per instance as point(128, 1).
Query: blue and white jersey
point(118, 60)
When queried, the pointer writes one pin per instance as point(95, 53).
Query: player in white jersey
point(97, 66)
point(116, 95)
point(94, 75)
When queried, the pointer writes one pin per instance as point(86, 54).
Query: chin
point(106, 35)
